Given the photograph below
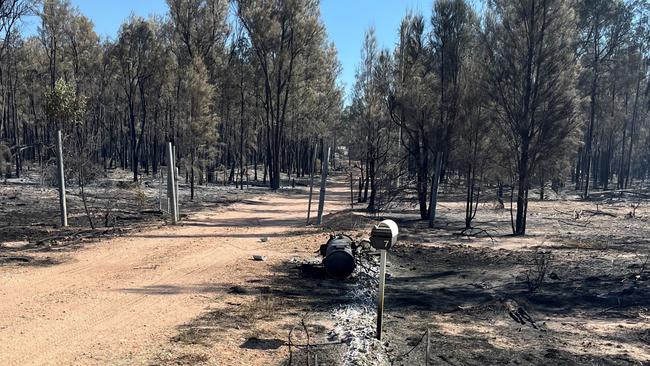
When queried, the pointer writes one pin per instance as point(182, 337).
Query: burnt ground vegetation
point(30, 220)
point(574, 291)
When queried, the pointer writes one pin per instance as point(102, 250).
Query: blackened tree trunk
point(522, 192)
point(373, 186)
point(192, 175)
point(632, 132)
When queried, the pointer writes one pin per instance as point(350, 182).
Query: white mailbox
point(384, 235)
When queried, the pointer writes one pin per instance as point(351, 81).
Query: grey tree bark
point(434, 189)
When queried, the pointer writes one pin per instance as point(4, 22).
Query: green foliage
point(196, 106)
point(64, 105)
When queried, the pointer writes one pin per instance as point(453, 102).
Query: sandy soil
point(123, 300)
point(191, 295)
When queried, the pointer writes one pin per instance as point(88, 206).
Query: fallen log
point(599, 212)
point(620, 192)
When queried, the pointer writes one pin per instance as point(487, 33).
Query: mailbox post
point(383, 237)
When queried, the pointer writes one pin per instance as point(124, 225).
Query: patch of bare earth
point(166, 295)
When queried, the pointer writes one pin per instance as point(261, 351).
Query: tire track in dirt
point(117, 309)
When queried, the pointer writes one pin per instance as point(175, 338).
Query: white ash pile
point(356, 322)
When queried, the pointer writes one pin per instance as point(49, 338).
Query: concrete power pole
point(178, 213)
point(61, 174)
point(323, 184)
point(311, 183)
point(171, 184)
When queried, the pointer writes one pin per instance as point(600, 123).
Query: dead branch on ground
point(474, 232)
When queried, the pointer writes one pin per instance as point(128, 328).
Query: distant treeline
point(254, 89)
point(514, 93)
point(529, 92)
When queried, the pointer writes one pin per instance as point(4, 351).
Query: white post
point(311, 183)
point(178, 215)
point(171, 183)
point(160, 191)
point(62, 203)
point(380, 294)
point(169, 187)
point(323, 184)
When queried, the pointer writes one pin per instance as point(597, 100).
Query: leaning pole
point(323, 184)
point(311, 183)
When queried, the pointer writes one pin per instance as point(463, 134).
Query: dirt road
point(119, 301)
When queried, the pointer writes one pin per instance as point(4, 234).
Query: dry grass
point(264, 306)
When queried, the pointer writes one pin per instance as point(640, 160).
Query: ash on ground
point(356, 321)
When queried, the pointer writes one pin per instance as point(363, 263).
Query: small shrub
point(140, 197)
point(632, 214)
point(538, 270)
point(264, 306)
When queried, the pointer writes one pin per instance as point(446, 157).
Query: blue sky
point(346, 22)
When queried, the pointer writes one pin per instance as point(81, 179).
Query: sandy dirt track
point(120, 300)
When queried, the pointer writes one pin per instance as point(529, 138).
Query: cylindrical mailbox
point(339, 259)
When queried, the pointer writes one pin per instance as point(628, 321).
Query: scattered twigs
point(401, 357)
point(586, 224)
point(290, 350)
point(314, 345)
point(634, 207)
point(620, 192)
point(426, 360)
point(598, 212)
point(565, 212)
point(446, 360)
point(536, 275)
point(475, 232)
point(644, 263)
point(304, 326)
point(309, 345)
